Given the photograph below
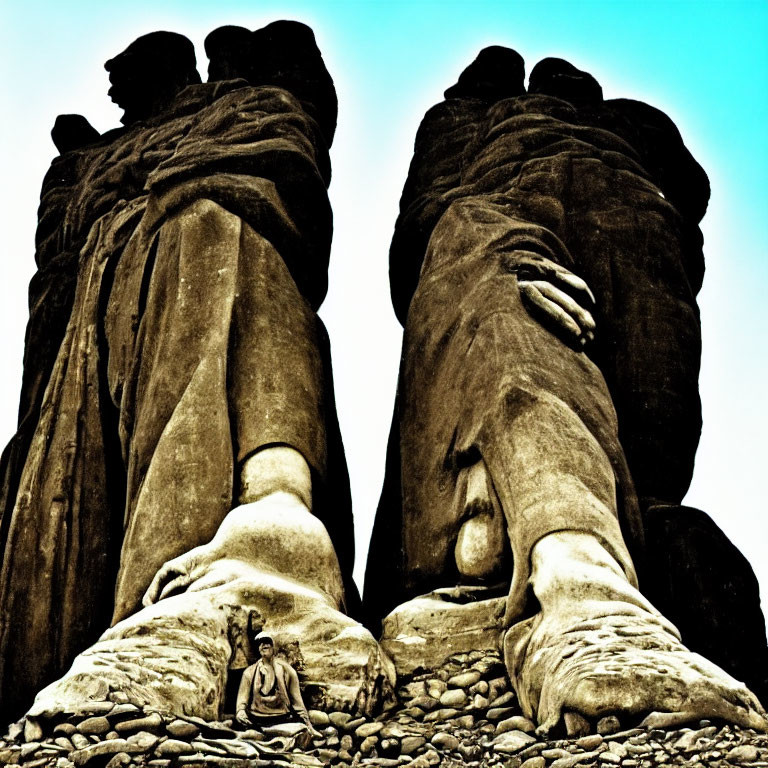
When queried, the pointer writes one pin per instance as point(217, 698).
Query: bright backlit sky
point(704, 62)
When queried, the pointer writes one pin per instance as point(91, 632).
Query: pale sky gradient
point(705, 63)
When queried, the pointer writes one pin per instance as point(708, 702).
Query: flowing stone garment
point(172, 334)
point(506, 185)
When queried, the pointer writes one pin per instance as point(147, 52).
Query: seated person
point(269, 691)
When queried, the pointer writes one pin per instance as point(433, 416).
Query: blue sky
point(705, 63)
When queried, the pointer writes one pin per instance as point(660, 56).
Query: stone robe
point(517, 189)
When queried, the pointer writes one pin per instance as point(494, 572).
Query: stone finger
point(582, 316)
point(554, 311)
point(179, 582)
point(575, 282)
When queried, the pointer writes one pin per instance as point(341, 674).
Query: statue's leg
point(486, 388)
point(221, 483)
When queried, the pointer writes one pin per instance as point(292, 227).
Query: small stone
point(181, 729)
point(617, 748)
point(464, 721)
point(152, 723)
point(440, 715)
point(353, 725)
point(497, 687)
point(28, 748)
point(572, 760)
point(515, 723)
point(347, 743)
point(427, 703)
point(512, 741)
point(173, 748)
point(504, 699)
point(318, 718)
point(470, 752)
point(464, 680)
point(9, 756)
point(534, 762)
point(144, 739)
point(64, 729)
point(480, 687)
point(608, 725)
point(339, 719)
point(118, 760)
point(64, 743)
point(445, 741)
point(389, 747)
point(411, 743)
point(436, 688)
point(79, 741)
point(94, 726)
point(588, 743)
point(745, 753)
point(415, 713)
point(368, 745)
point(609, 757)
point(499, 713)
point(479, 702)
point(554, 753)
point(112, 735)
point(33, 731)
point(327, 755)
point(454, 697)
point(368, 729)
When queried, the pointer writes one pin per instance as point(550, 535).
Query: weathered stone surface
point(182, 729)
point(429, 629)
point(512, 741)
point(94, 726)
point(173, 748)
point(410, 744)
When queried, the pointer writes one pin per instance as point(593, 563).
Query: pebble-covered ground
point(463, 714)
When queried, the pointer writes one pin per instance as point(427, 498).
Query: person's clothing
point(271, 691)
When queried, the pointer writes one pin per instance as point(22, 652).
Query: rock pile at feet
point(462, 714)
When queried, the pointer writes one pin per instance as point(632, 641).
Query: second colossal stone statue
point(545, 266)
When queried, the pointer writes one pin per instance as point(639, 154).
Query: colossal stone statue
point(545, 266)
point(178, 447)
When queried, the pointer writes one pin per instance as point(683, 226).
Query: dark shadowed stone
point(496, 73)
point(284, 54)
point(229, 51)
point(72, 132)
point(556, 77)
point(701, 582)
point(148, 74)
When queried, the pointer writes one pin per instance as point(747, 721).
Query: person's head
point(265, 645)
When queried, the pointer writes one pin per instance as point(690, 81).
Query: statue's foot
point(598, 648)
point(271, 558)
